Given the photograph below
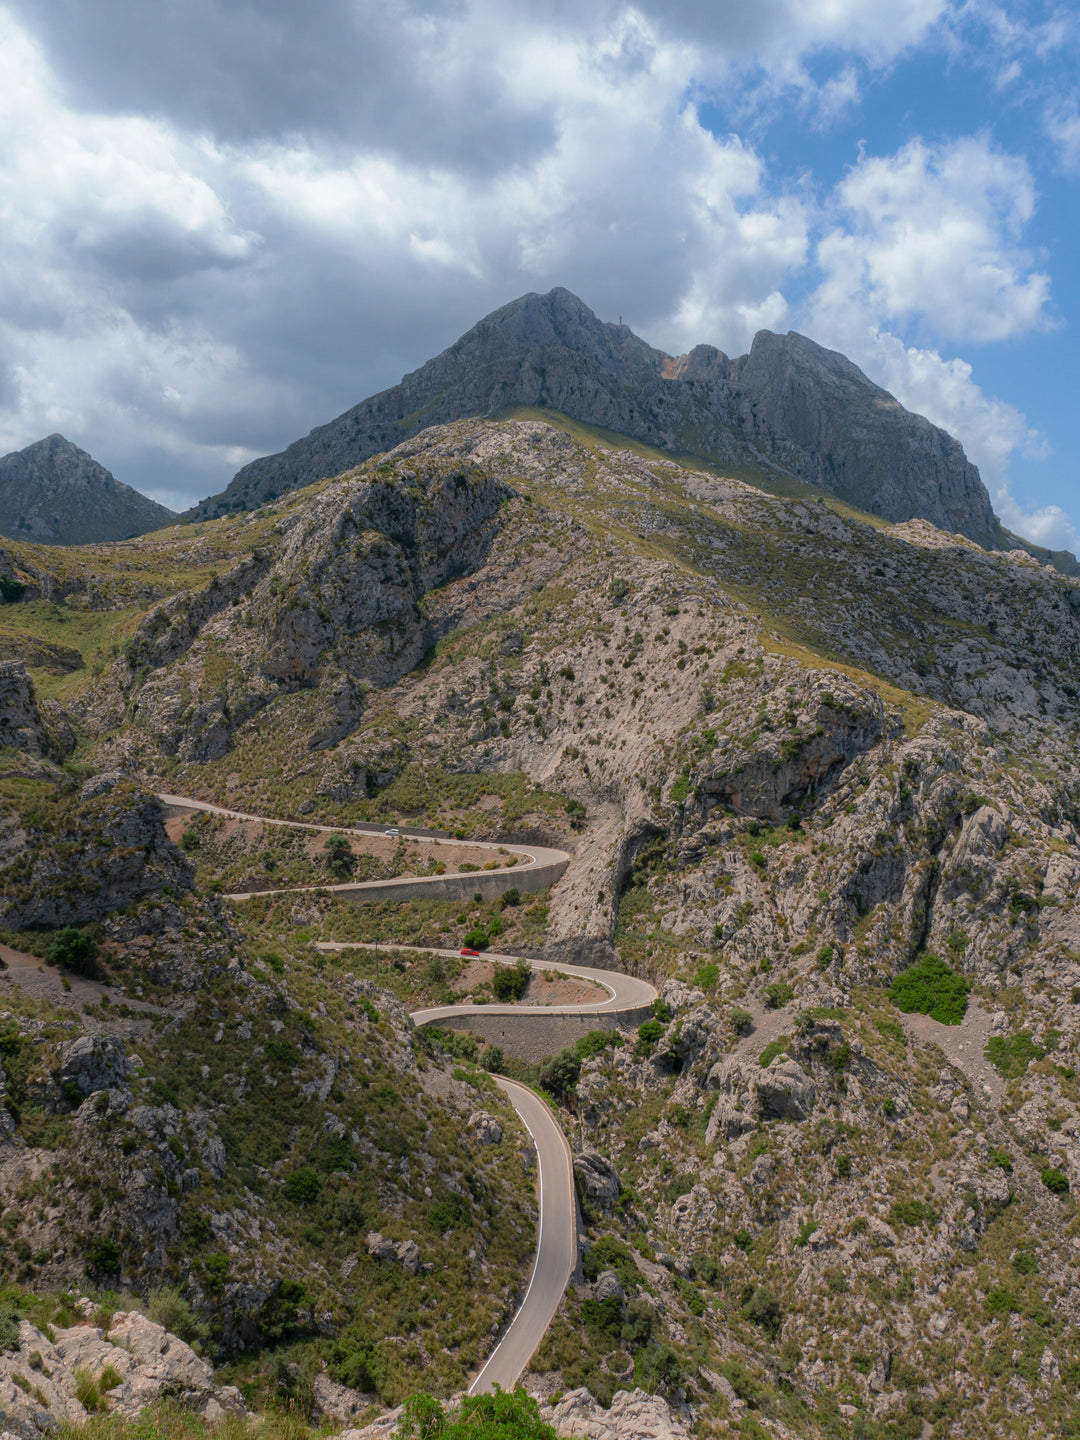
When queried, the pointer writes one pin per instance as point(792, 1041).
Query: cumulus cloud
point(931, 235)
point(225, 224)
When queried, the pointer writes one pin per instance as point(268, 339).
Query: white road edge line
point(536, 1258)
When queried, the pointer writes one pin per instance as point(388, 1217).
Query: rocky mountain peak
point(788, 410)
point(54, 493)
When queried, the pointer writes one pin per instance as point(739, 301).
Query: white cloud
point(1061, 121)
point(930, 235)
point(282, 238)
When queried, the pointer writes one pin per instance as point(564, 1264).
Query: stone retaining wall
point(535, 1036)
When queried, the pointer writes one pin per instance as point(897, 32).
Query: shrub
point(779, 994)
point(843, 1166)
point(913, 1212)
point(741, 1020)
point(708, 977)
point(761, 1307)
point(1013, 1055)
point(103, 1255)
point(452, 1213)
point(649, 1034)
point(509, 982)
point(340, 860)
point(774, 1048)
point(9, 1328)
point(75, 950)
point(166, 1306)
point(560, 1074)
point(929, 987)
point(594, 1042)
point(492, 1058)
point(825, 956)
point(476, 939)
point(302, 1186)
point(1001, 1159)
point(1055, 1180)
point(508, 1413)
point(109, 1379)
point(510, 898)
point(355, 1368)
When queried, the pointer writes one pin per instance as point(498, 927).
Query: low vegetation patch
point(929, 987)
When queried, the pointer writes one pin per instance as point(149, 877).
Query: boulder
point(92, 1063)
point(786, 1091)
point(597, 1180)
point(485, 1128)
point(405, 1253)
point(608, 1286)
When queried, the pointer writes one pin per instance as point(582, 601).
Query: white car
point(392, 831)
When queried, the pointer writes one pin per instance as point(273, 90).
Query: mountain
point(816, 776)
point(788, 410)
point(53, 493)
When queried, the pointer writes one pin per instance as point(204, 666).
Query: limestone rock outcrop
point(138, 1361)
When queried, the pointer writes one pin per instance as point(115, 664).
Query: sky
point(223, 222)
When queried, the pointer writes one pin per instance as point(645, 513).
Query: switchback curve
point(556, 1249)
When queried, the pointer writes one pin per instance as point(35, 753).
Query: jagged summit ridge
point(789, 407)
point(56, 494)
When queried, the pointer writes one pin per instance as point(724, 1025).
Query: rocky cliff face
point(788, 408)
point(56, 494)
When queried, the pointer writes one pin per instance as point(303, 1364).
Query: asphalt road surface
point(556, 1245)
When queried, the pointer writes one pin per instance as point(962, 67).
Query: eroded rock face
point(102, 854)
point(93, 1063)
point(634, 1415)
point(597, 1180)
point(151, 1364)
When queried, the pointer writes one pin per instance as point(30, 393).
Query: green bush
point(825, 957)
point(301, 1186)
point(476, 939)
point(9, 1327)
point(1055, 1180)
point(103, 1255)
point(708, 977)
point(75, 950)
point(560, 1074)
point(913, 1212)
point(779, 994)
point(166, 1306)
point(741, 1020)
point(929, 987)
point(1013, 1055)
point(503, 1415)
point(649, 1034)
point(509, 982)
point(492, 1059)
point(340, 860)
point(762, 1308)
point(774, 1048)
point(450, 1213)
point(510, 898)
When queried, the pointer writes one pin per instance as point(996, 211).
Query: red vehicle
point(471, 954)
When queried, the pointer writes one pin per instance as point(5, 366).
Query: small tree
point(339, 856)
point(75, 950)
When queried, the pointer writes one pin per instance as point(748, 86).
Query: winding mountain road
point(556, 1243)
